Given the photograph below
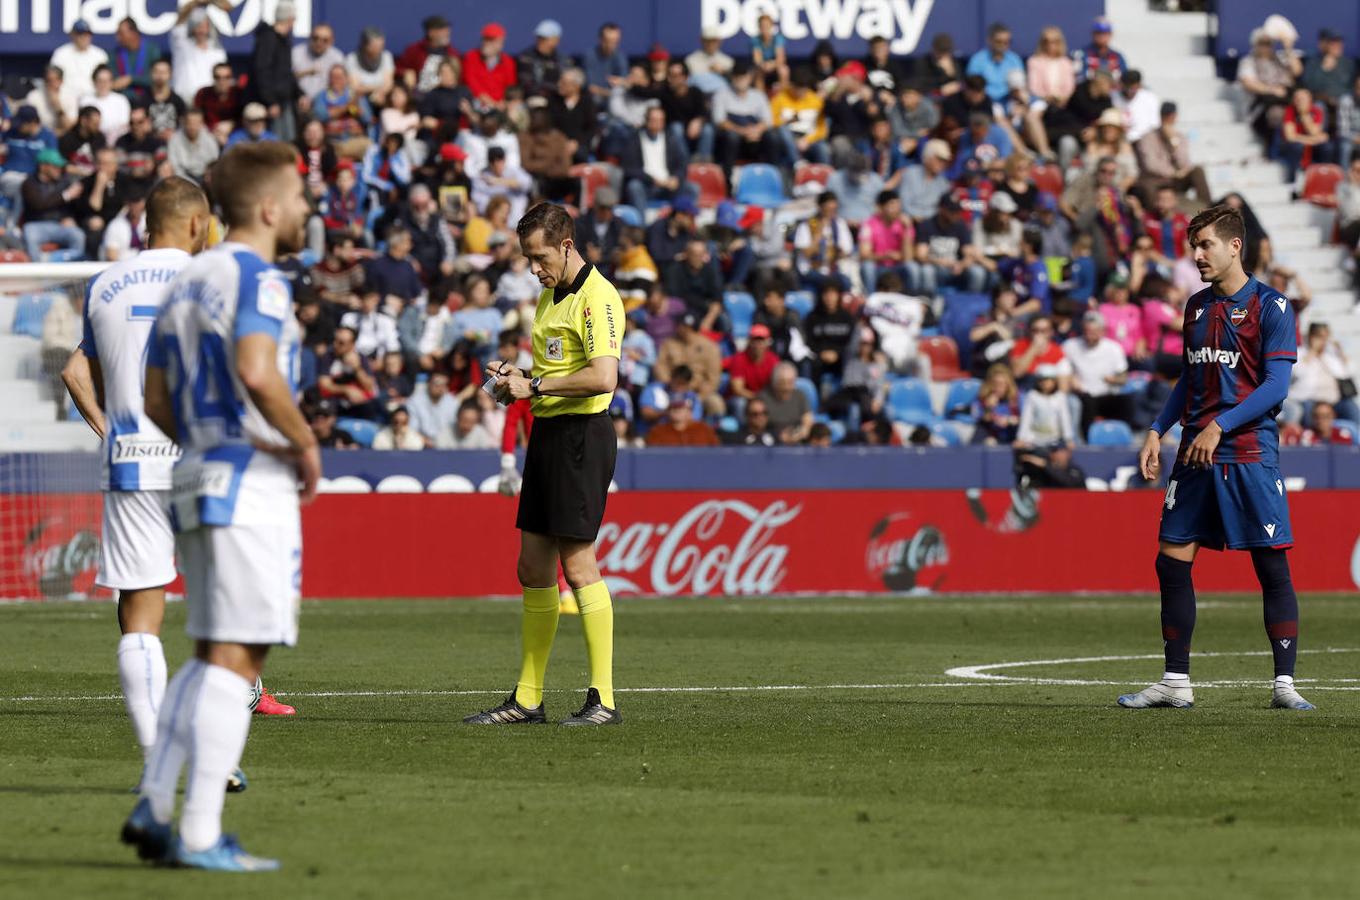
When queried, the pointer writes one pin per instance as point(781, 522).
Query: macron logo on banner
point(1210, 356)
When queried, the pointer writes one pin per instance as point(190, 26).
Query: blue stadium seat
point(807, 387)
point(958, 403)
point(948, 432)
point(800, 302)
point(629, 215)
point(1137, 383)
point(909, 401)
point(30, 312)
point(1353, 426)
point(760, 184)
point(741, 310)
point(961, 312)
point(837, 430)
point(362, 430)
point(1110, 433)
point(729, 425)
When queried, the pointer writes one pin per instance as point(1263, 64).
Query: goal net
point(50, 506)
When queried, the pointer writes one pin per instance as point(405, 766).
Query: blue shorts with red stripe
point(1237, 505)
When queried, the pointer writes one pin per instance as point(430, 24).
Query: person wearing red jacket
point(1167, 225)
point(488, 70)
point(418, 65)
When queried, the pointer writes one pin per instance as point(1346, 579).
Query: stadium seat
point(909, 401)
point(818, 172)
point(943, 354)
point(1109, 433)
point(1047, 178)
point(760, 184)
point(741, 310)
point(729, 425)
point(948, 432)
point(629, 215)
point(362, 430)
point(961, 312)
point(30, 312)
point(958, 403)
point(800, 302)
point(1320, 182)
point(1353, 427)
point(592, 175)
point(708, 177)
point(807, 387)
point(837, 430)
point(1137, 382)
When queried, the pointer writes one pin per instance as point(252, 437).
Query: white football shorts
point(137, 549)
point(243, 583)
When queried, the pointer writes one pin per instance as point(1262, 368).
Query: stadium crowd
point(804, 246)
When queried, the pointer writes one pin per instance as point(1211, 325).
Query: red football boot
point(268, 706)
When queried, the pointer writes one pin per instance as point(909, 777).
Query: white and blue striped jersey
point(223, 477)
point(121, 304)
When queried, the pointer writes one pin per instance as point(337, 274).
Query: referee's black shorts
point(567, 471)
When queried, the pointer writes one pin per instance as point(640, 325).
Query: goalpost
point(50, 505)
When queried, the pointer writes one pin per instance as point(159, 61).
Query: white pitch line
point(984, 673)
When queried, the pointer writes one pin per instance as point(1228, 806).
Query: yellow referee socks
point(597, 620)
point(537, 629)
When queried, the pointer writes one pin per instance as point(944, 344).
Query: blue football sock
point(1178, 611)
point(1281, 606)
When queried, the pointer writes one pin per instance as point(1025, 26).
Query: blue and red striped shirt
point(1228, 342)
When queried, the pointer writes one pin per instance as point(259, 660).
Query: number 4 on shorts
point(1171, 495)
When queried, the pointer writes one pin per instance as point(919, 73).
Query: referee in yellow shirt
point(577, 335)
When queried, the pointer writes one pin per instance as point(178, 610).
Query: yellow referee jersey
point(572, 326)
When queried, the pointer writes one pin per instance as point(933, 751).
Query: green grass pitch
point(888, 778)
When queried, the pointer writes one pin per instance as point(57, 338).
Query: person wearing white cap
point(540, 66)
point(997, 232)
point(79, 58)
point(195, 48)
point(709, 58)
point(1266, 75)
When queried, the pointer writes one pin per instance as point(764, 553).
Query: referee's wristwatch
point(535, 386)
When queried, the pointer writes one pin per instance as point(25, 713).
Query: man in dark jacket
point(696, 280)
point(540, 66)
point(49, 214)
point(654, 164)
point(599, 229)
point(272, 81)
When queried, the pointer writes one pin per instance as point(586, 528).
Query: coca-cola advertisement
point(49, 545)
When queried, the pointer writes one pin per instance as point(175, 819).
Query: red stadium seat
point(710, 181)
point(1319, 184)
point(1047, 178)
point(818, 172)
point(943, 354)
point(592, 175)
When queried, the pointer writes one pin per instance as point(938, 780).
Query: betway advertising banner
point(39, 26)
point(729, 544)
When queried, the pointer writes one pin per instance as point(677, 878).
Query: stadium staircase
point(1172, 52)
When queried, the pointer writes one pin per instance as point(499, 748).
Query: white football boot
point(1284, 696)
point(1179, 696)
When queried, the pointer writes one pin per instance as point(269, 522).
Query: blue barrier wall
point(728, 469)
point(39, 26)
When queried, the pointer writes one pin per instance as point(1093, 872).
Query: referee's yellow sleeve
point(603, 321)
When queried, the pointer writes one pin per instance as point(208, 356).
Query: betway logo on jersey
point(902, 21)
point(1208, 356)
point(47, 16)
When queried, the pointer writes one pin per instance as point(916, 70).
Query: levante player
point(1226, 488)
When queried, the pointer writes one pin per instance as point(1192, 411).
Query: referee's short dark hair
point(554, 220)
point(1226, 222)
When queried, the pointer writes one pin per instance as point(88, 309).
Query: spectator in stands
point(444, 105)
point(1099, 56)
point(1348, 206)
point(1324, 375)
point(923, 186)
point(54, 100)
point(113, 107)
point(913, 118)
point(487, 69)
point(313, 61)
point(709, 59)
point(393, 273)
point(656, 398)
point(1167, 225)
point(690, 348)
point(573, 112)
point(605, 66)
point(345, 113)
point(478, 322)
point(161, 103)
point(546, 154)
point(418, 65)
point(1099, 370)
point(432, 244)
point(1073, 125)
point(885, 153)
point(49, 213)
point(387, 169)
point(695, 279)
point(102, 197)
point(756, 430)
point(490, 133)
point(1054, 229)
point(319, 321)
point(744, 122)
point(659, 314)
point(222, 102)
point(434, 411)
point(344, 203)
point(1141, 107)
point(768, 54)
point(346, 377)
point(993, 336)
point(947, 254)
point(799, 115)
point(638, 356)
point(26, 138)
point(824, 246)
point(1104, 214)
point(686, 109)
point(272, 82)
point(887, 242)
point(1111, 140)
point(328, 435)
point(254, 126)
point(195, 48)
point(829, 330)
point(140, 151)
point(864, 378)
point(1045, 416)
point(1329, 73)
point(132, 60)
point(1053, 470)
point(192, 149)
point(1163, 320)
point(375, 331)
point(654, 163)
point(79, 58)
point(983, 141)
point(996, 61)
point(1038, 348)
point(598, 230)
point(468, 432)
point(1164, 159)
point(1052, 83)
point(395, 386)
point(668, 238)
point(1267, 76)
point(997, 233)
point(997, 408)
point(751, 370)
point(340, 276)
point(372, 71)
point(786, 328)
point(125, 234)
point(1324, 429)
point(502, 179)
point(1303, 133)
point(790, 411)
point(398, 434)
point(1348, 125)
point(540, 66)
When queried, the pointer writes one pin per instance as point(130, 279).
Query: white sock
point(217, 736)
point(141, 671)
point(1176, 678)
point(1284, 680)
point(161, 775)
